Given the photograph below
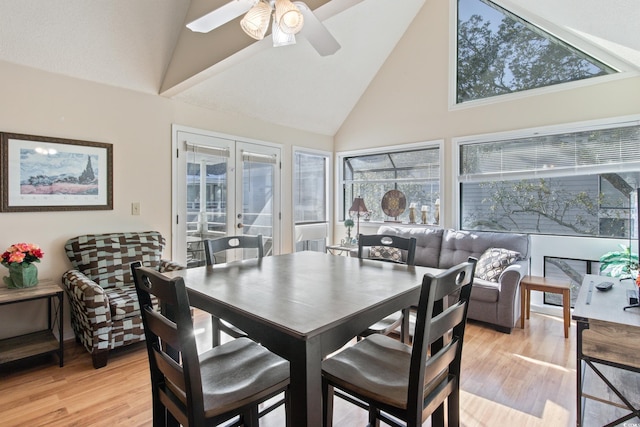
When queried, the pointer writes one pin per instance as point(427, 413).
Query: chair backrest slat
point(440, 361)
point(446, 321)
point(171, 370)
point(213, 246)
point(163, 327)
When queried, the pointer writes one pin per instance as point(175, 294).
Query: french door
point(224, 187)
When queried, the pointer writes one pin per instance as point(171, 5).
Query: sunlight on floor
point(541, 363)
point(476, 411)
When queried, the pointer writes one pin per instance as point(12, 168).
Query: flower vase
point(23, 275)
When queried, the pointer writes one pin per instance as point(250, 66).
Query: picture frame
point(41, 173)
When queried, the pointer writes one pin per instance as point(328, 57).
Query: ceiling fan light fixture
point(288, 17)
point(256, 22)
point(280, 38)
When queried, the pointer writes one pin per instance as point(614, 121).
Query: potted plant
point(622, 264)
point(19, 259)
point(349, 224)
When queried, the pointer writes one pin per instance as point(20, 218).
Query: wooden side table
point(544, 284)
point(40, 342)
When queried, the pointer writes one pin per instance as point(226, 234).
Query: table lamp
point(358, 208)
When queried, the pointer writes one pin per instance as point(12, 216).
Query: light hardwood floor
point(527, 378)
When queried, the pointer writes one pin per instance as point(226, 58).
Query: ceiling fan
point(289, 19)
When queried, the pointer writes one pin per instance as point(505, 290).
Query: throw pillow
point(385, 253)
point(493, 262)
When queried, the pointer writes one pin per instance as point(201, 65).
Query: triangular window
point(500, 53)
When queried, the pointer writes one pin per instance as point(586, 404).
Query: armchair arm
point(509, 303)
point(91, 317)
point(168, 265)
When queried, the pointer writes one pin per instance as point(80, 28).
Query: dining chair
point(408, 383)
point(225, 382)
point(389, 248)
point(218, 246)
point(223, 244)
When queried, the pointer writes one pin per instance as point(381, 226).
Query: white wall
point(139, 127)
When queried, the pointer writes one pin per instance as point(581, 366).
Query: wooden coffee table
point(544, 284)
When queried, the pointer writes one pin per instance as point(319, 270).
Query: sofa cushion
point(485, 291)
point(493, 262)
point(428, 242)
point(459, 245)
point(385, 253)
point(123, 302)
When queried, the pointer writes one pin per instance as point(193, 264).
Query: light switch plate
point(135, 208)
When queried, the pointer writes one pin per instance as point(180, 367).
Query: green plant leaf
point(619, 263)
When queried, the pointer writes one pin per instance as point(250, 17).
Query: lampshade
point(288, 17)
point(280, 38)
point(256, 22)
point(358, 206)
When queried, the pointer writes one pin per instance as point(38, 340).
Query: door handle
point(240, 225)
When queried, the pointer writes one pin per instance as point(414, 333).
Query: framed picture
point(54, 174)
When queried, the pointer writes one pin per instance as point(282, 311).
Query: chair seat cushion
point(239, 362)
point(123, 302)
point(376, 368)
point(383, 368)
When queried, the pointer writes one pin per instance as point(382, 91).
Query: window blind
point(563, 153)
point(258, 158)
point(205, 149)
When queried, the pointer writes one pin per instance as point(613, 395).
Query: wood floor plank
point(526, 378)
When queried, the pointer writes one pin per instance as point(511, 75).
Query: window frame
point(341, 155)
point(329, 193)
point(625, 69)
point(458, 142)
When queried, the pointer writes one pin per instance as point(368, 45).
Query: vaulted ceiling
point(144, 46)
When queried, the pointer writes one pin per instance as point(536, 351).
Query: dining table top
point(302, 293)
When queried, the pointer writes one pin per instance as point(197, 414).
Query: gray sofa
point(497, 303)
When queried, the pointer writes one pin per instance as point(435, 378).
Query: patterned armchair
point(104, 306)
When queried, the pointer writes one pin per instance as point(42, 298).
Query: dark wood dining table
point(304, 306)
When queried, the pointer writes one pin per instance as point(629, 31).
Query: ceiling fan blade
point(221, 15)
point(315, 31)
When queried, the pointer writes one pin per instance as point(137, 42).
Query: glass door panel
point(259, 193)
point(224, 188)
point(206, 198)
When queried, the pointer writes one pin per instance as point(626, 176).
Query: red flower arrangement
point(22, 253)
